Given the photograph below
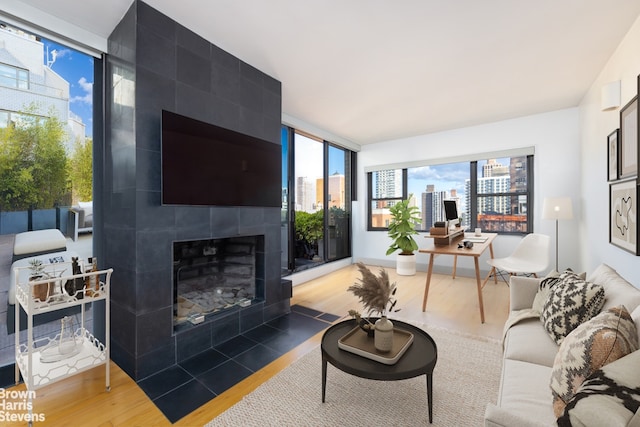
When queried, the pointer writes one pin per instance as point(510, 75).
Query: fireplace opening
point(213, 276)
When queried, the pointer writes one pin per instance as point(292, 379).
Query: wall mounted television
point(207, 165)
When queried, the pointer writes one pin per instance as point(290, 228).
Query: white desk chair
point(530, 257)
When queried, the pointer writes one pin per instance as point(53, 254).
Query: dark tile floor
point(181, 389)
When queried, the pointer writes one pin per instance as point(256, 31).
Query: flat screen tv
point(207, 165)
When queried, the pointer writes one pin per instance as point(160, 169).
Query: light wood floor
point(83, 401)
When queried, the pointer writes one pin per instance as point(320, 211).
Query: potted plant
point(41, 291)
point(377, 295)
point(402, 227)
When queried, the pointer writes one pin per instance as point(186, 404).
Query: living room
point(570, 160)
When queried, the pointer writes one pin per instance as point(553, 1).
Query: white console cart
point(35, 373)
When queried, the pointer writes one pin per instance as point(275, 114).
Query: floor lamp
point(557, 208)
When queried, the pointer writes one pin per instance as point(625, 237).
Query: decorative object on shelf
point(363, 322)
point(65, 345)
point(73, 286)
point(628, 157)
point(91, 283)
point(623, 215)
point(43, 290)
point(405, 217)
point(376, 294)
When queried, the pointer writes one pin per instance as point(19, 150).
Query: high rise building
point(336, 191)
point(432, 206)
point(305, 194)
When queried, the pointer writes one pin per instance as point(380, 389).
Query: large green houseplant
point(402, 227)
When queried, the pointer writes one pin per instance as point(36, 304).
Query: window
point(14, 77)
point(316, 210)
point(492, 193)
point(387, 188)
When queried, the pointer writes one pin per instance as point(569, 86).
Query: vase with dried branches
point(377, 295)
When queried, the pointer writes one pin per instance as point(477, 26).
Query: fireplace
point(212, 276)
point(154, 63)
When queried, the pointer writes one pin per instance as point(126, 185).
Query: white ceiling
point(376, 70)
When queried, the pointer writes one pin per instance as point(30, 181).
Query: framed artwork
point(623, 215)
point(613, 150)
point(629, 139)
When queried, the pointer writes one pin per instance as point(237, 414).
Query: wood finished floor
point(453, 303)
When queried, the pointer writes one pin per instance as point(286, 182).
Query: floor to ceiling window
point(46, 130)
point(46, 140)
point(316, 213)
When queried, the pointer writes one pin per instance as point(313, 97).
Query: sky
point(77, 69)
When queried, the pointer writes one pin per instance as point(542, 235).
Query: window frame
point(472, 199)
point(20, 77)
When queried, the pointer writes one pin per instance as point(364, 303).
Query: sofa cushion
point(607, 337)
point(571, 301)
point(524, 389)
point(610, 396)
point(617, 290)
point(529, 342)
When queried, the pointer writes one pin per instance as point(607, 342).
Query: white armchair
point(80, 219)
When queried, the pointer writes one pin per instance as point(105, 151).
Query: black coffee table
point(419, 359)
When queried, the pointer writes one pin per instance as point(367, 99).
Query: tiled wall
point(154, 64)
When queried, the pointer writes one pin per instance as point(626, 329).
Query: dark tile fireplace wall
point(154, 63)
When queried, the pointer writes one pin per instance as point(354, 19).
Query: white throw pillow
point(610, 396)
point(605, 338)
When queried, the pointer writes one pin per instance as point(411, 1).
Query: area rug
point(465, 379)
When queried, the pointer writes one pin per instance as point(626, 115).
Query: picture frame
point(623, 215)
point(628, 166)
point(613, 152)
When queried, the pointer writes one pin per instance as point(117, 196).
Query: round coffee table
point(419, 359)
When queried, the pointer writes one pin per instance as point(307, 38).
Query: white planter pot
point(406, 264)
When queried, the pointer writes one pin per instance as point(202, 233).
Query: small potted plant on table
point(376, 293)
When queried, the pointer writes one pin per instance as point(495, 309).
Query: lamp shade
point(557, 208)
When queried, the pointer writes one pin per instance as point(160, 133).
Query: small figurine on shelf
point(91, 283)
point(78, 282)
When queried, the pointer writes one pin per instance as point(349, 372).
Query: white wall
point(595, 125)
point(555, 136)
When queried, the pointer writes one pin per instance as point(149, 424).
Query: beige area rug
point(465, 379)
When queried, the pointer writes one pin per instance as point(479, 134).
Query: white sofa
point(525, 397)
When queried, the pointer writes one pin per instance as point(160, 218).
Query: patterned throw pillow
point(549, 281)
point(609, 336)
point(610, 396)
point(571, 301)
